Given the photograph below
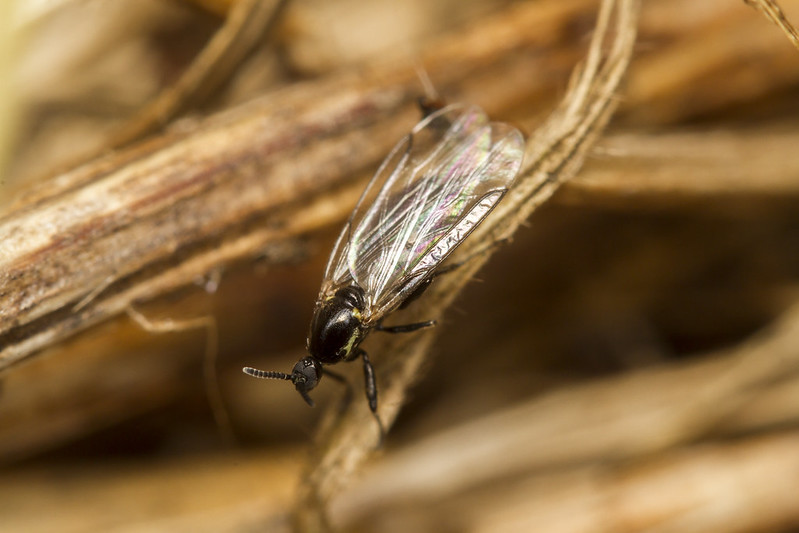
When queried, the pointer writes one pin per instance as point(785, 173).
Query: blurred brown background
point(627, 363)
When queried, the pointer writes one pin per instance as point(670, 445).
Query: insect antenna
point(269, 374)
point(266, 374)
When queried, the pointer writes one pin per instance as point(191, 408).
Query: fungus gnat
point(432, 190)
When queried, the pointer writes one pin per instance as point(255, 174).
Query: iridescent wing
point(432, 190)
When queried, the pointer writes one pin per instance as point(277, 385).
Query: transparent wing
point(337, 272)
point(431, 191)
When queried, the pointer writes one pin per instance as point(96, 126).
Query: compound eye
point(309, 370)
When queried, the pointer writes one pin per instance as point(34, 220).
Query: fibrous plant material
point(244, 26)
point(731, 392)
point(627, 363)
point(773, 11)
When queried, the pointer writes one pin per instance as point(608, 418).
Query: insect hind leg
point(406, 328)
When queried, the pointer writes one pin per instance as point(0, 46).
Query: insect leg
point(371, 391)
point(406, 328)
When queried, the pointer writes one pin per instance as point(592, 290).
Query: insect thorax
point(337, 328)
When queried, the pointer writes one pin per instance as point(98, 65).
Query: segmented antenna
point(266, 374)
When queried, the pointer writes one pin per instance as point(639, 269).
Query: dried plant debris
point(626, 362)
point(245, 25)
point(731, 392)
point(772, 10)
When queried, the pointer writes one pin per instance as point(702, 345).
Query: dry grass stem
point(771, 9)
point(565, 457)
point(683, 491)
point(235, 497)
point(689, 168)
point(246, 24)
point(209, 325)
point(728, 392)
point(628, 362)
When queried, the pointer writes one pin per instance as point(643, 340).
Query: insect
point(433, 189)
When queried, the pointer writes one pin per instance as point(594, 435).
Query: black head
point(305, 376)
point(336, 328)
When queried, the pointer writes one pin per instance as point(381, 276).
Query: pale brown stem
point(774, 13)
